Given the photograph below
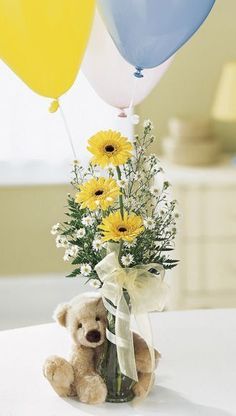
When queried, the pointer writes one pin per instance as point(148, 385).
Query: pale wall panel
point(189, 85)
point(26, 217)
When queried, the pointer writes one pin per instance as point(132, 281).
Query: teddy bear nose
point(93, 336)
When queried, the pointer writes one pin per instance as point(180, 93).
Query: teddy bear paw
point(144, 385)
point(139, 391)
point(92, 390)
point(60, 374)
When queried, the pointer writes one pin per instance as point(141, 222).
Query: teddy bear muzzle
point(93, 336)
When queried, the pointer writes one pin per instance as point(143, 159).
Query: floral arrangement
point(120, 230)
point(120, 198)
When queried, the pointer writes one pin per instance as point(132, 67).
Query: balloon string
point(127, 113)
point(68, 132)
point(131, 104)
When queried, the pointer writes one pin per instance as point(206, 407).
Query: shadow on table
point(165, 401)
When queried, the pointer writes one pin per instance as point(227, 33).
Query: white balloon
point(111, 76)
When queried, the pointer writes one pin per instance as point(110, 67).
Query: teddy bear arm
point(142, 355)
point(88, 384)
point(82, 360)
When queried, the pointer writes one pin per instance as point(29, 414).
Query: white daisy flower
point(66, 256)
point(138, 176)
point(71, 252)
point(80, 233)
point(55, 229)
point(97, 244)
point(97, 213)
point(133, 203)
point(135, 119)
point(127, 260)
point(155, 191)
point(153, 157)
point(149, 223)
point(122, 183)
point(148, 124)
point(85, 269)
point(61, 241)
point(130, 245)
point(173, 229)
point(88, 221)
point(156, 168)
point(95, 283)
point(76, 162)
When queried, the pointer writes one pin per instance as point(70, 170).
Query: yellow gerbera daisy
point(97, 193)
point(109, 147)
point(116, 228)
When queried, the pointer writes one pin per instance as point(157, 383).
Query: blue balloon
point(148, 32)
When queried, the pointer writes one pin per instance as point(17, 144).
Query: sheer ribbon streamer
point(147, 292)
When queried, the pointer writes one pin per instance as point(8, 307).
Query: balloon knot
point(122, 114)
point(138, 72)
point(54, 106)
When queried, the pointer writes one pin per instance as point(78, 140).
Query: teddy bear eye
point(97, 318)
point(80, 325)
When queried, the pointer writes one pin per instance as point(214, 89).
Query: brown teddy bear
point(85, 317)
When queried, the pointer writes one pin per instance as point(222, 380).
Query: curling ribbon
point(147, 292)
point(54, 106)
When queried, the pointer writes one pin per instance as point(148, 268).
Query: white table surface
point(196, 376)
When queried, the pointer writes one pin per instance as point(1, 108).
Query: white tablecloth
point(196, 376)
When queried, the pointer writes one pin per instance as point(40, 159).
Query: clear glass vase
point(118, 385)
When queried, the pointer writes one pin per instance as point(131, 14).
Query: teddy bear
point(85, 317)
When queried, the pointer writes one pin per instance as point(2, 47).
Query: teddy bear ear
point(60, 313)
point(100, 305)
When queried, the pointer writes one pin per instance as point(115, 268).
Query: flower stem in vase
point(118, 385)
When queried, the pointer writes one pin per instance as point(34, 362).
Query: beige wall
point(189, 85)
point(26, 216)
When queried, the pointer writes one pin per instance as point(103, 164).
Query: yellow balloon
point(43, 41)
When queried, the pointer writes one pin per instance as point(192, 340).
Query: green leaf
point(75, 273)
point(171, 261)
point(169, 267)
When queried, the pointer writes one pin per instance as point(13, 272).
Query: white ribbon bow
point(147, 292)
